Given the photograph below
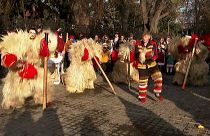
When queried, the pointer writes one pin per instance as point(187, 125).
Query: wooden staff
point(189, 64)
point(105, 75)
point(67, 38)
point(129, 70)
point(45, 78)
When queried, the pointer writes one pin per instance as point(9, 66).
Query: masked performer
point(145, 55)
point(80, 75)
point(23, 55)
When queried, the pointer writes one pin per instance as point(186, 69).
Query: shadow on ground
point(21, 123)
point(193, 100)
point(88, 127)
point(147, 123)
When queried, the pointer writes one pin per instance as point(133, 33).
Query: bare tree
point(155, 10)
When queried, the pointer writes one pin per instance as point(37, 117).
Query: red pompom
point(44, 51)
point(28, 71)
point(114, 55)
point(131, 56)
point(60, 44)
point(9, 60)
point(86, 55)
point(192, 41)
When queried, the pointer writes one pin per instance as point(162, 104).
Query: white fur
point(81, 75)
point(16, 89)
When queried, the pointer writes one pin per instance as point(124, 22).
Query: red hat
point(71, 37)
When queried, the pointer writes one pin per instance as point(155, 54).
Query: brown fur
point(120, 70)
point(199, 68)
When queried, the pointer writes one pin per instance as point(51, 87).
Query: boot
point(160, 97)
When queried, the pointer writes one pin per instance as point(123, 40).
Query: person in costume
point(120, 69)
point(170, 63)
point(181, 49)
point(161, 54)
point(105, 57)
point(23, 55)
point(145, 61)
point(58, 58)
point(80, 75)
point(68, 44)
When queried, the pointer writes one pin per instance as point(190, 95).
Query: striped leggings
point(144, 75)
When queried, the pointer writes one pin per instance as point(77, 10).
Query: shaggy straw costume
point(22, 57)
point(81, 75)
point(181, 50)
point(120, 70)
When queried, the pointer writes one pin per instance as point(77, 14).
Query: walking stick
point(189, 64)
point(45, 78)
point(129, 71)
point(105, 76)
point(67, 37)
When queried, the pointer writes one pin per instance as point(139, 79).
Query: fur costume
point(80, 75)
point(120, 70)
point(23, 57)
point(181, 50)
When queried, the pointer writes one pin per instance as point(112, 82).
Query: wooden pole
point(45, 78)
point(129, 70)
point(189, 64)
point(105, 75)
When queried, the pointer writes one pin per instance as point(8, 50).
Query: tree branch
point(164, 15)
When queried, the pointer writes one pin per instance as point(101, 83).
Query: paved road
point(99, 113)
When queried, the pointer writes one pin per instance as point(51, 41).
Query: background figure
point(97, 39)
point(105, 57)
point(58, 58)
point(170, 63)
point(68, 44)
point(161, 54)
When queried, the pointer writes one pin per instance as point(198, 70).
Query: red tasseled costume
point(44, 51)
point(137, 42)
point(28, 71)
point(9, 60)
point(192, 41)
point(114, 55)
point(60, 45)
point(131, 56)
point(86, 55)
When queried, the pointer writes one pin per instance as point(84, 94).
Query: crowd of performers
point(73, 62)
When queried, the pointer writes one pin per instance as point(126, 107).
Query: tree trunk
point(81, 16)
point(125, 16)
point(145, 15)
point(154, 25)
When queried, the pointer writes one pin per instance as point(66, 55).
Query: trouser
point(144, 75)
